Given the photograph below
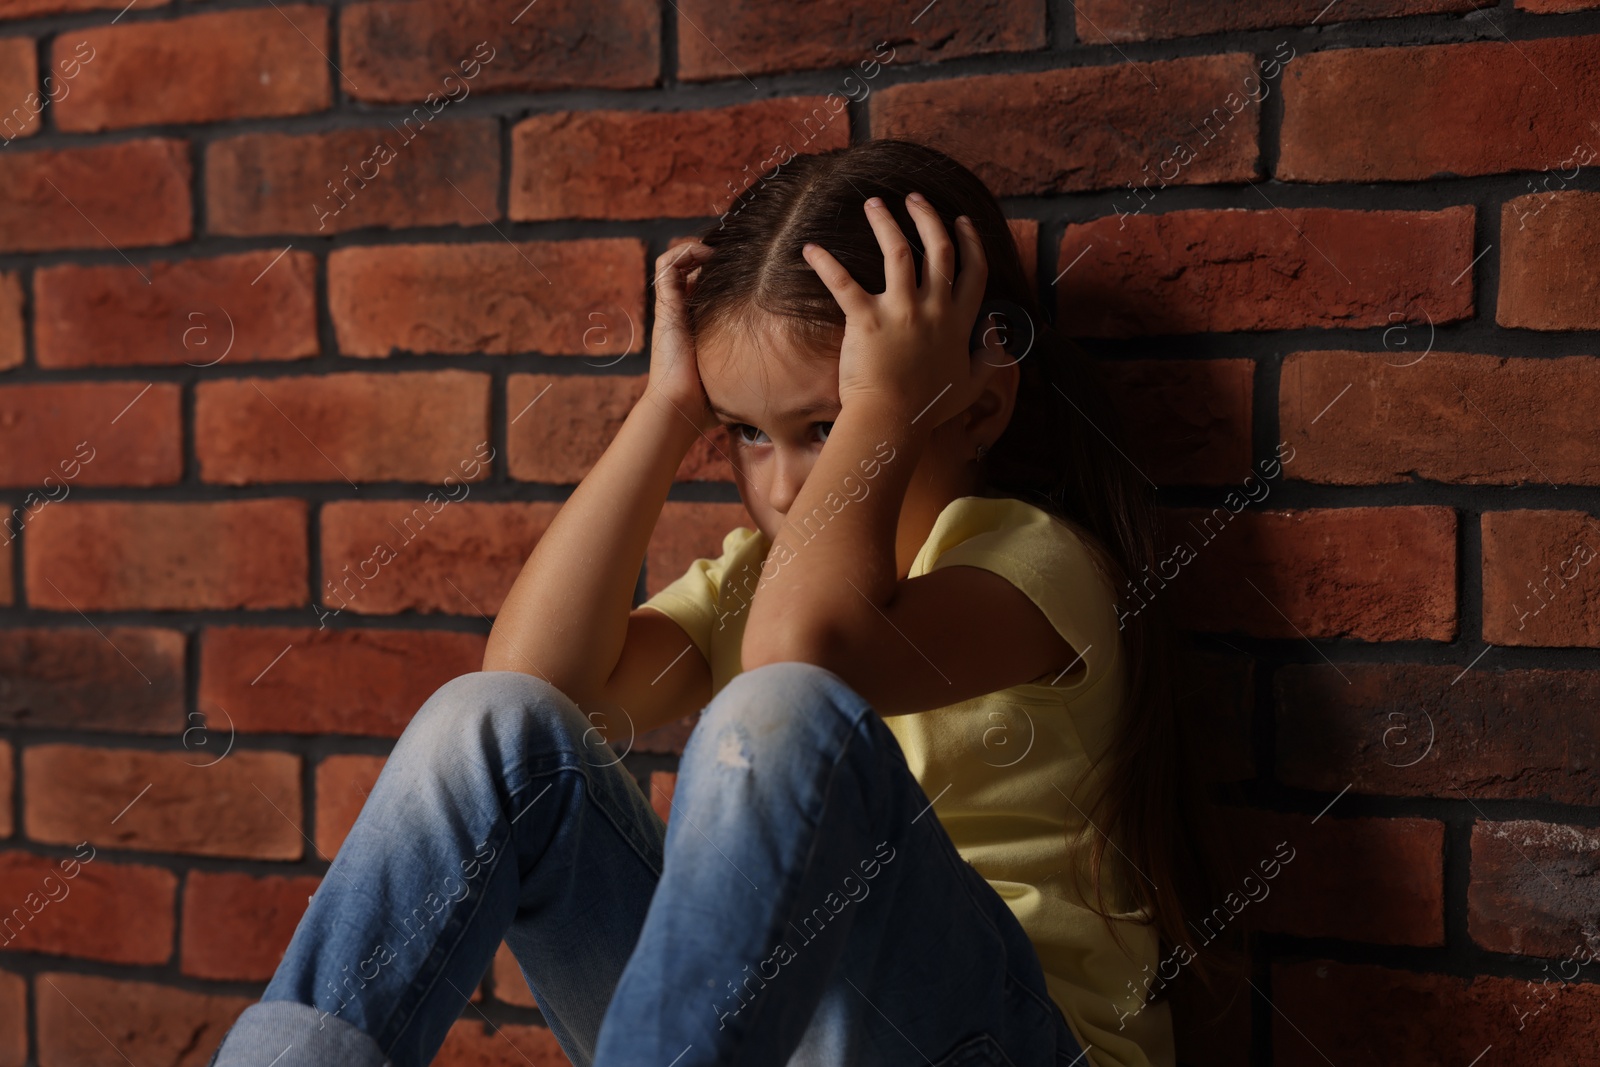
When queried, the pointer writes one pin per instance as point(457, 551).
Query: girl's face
point(778, 402)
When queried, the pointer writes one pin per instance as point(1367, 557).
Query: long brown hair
point(1062, 452)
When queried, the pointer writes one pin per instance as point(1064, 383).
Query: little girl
point(933, 810)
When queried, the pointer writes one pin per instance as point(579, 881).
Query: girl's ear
point(990, 411)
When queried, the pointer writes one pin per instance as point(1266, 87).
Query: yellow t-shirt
point(1004, 764)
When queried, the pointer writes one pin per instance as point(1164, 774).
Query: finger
point(676, 275)
point(853, 299)
point(969, 287)
point(899, 271)
point(669, 297)
point(681, 259)
point(938, 251)
point(673, 268)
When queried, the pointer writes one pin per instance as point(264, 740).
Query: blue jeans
point(802, 906)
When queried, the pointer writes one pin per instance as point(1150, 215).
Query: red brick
point(497, 298)
point(327, 681)
point(458, 558)
point(11, 340)
point(662, 786)
point(17, 9)
point(1351, 1013)
point(1091, 127)
point(720, 41)
point(475, 1042)
point(685, 532)
point(13, 1020)
point(343, 785)
point(509, 984)
point(107, 196)
point(1541, 237)
point(1103, 21)
point(560, 438)
point(1539, 578)
point(237, 926)
point(6, 823)
point(1412, 729)
point(84, 905)
point(1379, 881)
point(241, 308)
point(651, 164)
point(560, 424)
point(54, 437)
point(20, 100)
point(399, 51)
point(1371, 573)
point(246, 805)
point(1484, 107)
point(1361, 417)
point(1187, 421)
point(123, 678)
point(1207, 271)
point(88, 1021)
point(1533, 889)
point(391, 176)
point(426, 426)
point(177, 556)
point(247, 63)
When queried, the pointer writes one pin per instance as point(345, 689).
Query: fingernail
point(873, 201)
point(918, 197)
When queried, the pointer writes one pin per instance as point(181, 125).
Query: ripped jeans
point(802, 906)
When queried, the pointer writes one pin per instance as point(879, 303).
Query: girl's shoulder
point(1011, 526)
point(1052, 560)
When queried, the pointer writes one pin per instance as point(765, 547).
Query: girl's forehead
point(762, 345)
point(765, 369)
point(762, 332)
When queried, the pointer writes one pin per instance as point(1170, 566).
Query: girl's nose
point(789, 474)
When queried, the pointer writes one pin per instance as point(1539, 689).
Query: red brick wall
point(240, 345)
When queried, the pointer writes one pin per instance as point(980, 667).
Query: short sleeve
point(1043, 556)
point(691, 599)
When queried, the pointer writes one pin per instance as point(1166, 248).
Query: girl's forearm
point(566, 617)
point(820, 583)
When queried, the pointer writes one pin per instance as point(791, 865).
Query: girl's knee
point(490, 710)
point(773, 709)
point(769, 691)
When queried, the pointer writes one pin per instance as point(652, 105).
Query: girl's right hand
point(674, 372)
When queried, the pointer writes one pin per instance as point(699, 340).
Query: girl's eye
point(749, 435)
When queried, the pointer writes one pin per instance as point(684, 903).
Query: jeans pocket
point(981, 1050)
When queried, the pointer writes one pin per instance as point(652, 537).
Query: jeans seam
point(591, 796)
point(564, 764)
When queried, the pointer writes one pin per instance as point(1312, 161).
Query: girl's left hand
point(908, 345)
